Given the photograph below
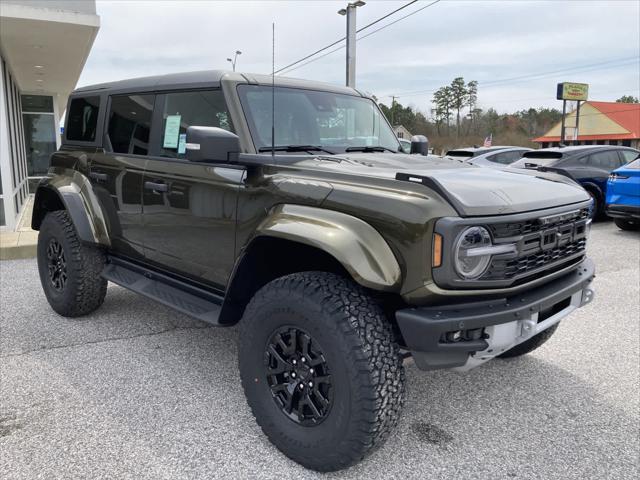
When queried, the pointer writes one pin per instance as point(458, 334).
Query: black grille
point(514, 229)
point(507, 269)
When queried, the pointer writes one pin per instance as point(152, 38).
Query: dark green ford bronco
point(338, 255)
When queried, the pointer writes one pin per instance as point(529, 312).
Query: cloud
point(481, 40)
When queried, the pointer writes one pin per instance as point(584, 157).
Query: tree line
point(455, 119)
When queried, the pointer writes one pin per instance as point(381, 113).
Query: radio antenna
point(273, 90)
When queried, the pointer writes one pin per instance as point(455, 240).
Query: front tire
point(320, 369)
point(531, 344)
point(627, 225)
point(69, 270)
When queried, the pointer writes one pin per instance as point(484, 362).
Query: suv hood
point(472, 190)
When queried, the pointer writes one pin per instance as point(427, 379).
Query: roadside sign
point(572, 91)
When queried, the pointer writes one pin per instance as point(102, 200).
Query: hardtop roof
point(207, 79)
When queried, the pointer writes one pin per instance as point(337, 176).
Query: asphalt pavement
point(138, 391)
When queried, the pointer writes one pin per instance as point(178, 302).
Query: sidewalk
point(21, 243)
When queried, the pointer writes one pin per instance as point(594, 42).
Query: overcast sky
point(516, 50)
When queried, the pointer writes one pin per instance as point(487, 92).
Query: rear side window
point(608, 160)
point(629, 155)
point(83, 119)
point(204, 108)
point(130, 123)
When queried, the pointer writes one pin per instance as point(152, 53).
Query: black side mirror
point(420, 144)
point(211, 144)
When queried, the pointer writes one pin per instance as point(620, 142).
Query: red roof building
point(600, 123)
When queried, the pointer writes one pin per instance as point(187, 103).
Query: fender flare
point(354, 243)
point(74, 191)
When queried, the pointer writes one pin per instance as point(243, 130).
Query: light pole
point(235, 58)
point(350, 12)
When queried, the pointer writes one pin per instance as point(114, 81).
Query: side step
point(182, 297)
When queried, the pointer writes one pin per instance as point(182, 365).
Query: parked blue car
point(623, 196)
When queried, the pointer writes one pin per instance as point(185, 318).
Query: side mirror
point(420, 144)
point(211, 144)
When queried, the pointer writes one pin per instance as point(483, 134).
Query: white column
point(5, 160)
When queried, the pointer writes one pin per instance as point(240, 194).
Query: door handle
point(99, 177)
point(157, 187)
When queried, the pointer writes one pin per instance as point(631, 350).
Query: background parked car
point(623, 196)
point(590, 165)
point(495, 157)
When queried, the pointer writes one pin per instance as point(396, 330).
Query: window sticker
point(182, 144)
point(171, 131)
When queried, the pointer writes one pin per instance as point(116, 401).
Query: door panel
point(189, 218)
point(117, 181)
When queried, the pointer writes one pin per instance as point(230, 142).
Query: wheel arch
point(71, 192)
point(298, 238)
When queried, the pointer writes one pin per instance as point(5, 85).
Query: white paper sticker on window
point(182, 143)
point(171, 131)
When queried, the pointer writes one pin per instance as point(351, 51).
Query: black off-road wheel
point(69, 270)
point(531, 344)
point(628, 225)
point(320, 369)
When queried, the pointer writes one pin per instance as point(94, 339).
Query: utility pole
point(393, 103)
point(350, 13)
point(564, 114)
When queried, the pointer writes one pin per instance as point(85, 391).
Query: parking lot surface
point(138, 391)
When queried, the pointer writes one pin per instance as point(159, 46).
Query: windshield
point(335, 122)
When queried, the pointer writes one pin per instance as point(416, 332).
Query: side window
point(628, 155)
point(495, 158)
point(130, 123)
point(83, 119)
point(606, 160)
point(205, 108)
point(505, 158)
point(580, 161)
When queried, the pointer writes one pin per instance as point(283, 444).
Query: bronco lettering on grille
point(562, 217)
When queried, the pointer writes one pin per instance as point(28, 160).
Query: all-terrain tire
point(624, 224)
point(531, 344)
point(83, 289)
point(357, 342)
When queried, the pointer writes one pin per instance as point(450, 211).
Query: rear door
point(189, 209)
point(116, 170)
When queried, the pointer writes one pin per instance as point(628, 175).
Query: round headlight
point(470, 262)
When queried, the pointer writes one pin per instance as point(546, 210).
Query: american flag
point(488, 140)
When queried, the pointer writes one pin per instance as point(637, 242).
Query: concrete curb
point(22, 243)
point(17, 245)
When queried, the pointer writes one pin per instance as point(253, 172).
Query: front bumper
point(489, 328)
point(623, 211)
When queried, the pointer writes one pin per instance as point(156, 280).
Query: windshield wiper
point(369, 149)
point(296, 148)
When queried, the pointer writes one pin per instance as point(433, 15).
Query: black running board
point(185, 298)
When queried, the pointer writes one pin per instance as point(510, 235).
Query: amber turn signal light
point(437, 250)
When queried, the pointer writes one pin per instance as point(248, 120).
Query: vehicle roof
point(475, 151)
point(207, 78)
point(579, 148)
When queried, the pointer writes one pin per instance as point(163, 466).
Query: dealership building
point(44, 45)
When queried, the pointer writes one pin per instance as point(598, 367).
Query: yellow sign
point(572, 91)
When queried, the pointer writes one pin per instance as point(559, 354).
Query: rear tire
point(531, 344)
point(69, 270)
point(359, 391)
point(628, 225)
point(597, 212)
